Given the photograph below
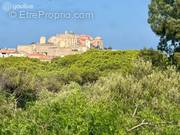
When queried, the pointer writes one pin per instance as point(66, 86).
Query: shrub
point(156, 57)
point(112, 105)
point(177, 59)
point(102, 92)
point(18, 83)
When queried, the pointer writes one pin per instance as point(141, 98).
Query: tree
point(164, 18)
point(177, 49)
point(109, 48)
point(157, 58)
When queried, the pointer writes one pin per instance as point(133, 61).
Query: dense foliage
point(157, 58)
point(24, 77)
point(177, 60)
point(164, 18)
point(95, 93)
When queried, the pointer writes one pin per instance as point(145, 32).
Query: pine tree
point(164, 18)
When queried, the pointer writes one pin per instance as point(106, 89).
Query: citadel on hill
point(59, 45)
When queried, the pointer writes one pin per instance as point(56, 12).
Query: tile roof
point(39, 56)
point(8, 51)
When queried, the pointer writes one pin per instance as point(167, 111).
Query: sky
point(121, 23)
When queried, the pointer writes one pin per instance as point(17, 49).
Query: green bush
point(19, 83)
point(112, 105)
point(156, 57)
point(98, 92)
point(177, 59)
point(25, 78)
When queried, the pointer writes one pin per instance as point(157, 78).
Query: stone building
point(98, 43)
point(89, 42)
point(10, 53)
point(61, 45)
point(42, 40)
point(64, 40)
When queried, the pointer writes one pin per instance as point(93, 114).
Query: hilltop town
point(59, 45)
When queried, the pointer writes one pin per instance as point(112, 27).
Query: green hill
point(95, 93)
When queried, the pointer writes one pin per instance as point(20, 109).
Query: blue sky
point(121, 23)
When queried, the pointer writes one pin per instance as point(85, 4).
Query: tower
point(42, 40)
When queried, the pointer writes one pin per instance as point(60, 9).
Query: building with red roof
point(8, 51)
point(60, 45)
point(39, 56)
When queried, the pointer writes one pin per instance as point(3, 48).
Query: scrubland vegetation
point(95, 93)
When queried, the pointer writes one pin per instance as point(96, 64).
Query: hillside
point(98, 92)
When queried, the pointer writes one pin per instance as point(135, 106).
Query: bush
point(177, 59)
point(25, 78)
point(18, 83)
point(98, 92)
point(112, 105)
point(156, 57)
